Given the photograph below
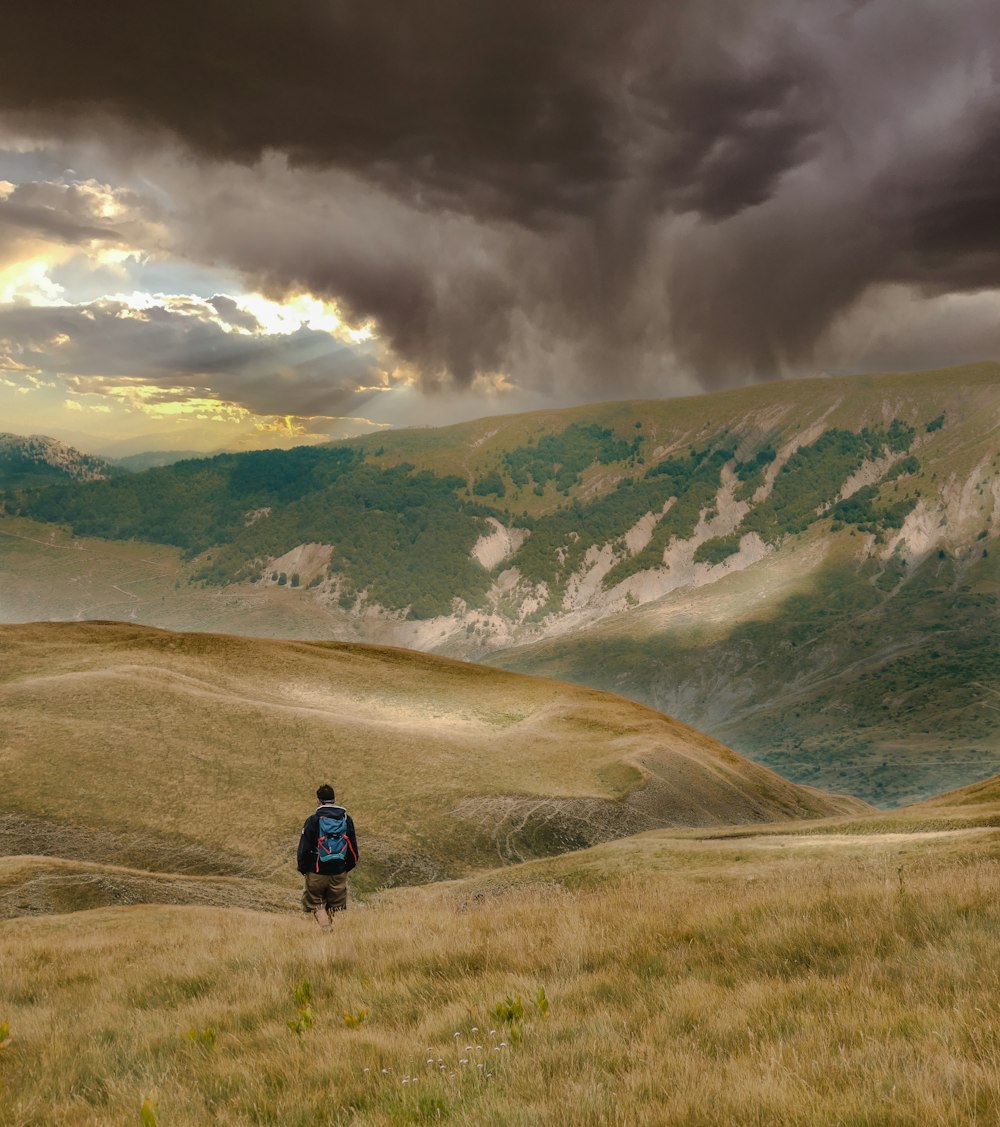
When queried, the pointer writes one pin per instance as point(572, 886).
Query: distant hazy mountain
point(804, 569)
point(136, 463)
point(35, 460)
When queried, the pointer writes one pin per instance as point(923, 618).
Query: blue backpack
point(333, 843)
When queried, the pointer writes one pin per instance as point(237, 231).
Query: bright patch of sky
point(208, 362)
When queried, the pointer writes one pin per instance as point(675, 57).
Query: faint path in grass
point(833, 840)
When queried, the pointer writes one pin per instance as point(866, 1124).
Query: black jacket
point(310, 837)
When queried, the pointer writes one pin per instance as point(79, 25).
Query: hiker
point(328, 850)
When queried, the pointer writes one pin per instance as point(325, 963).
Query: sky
point(235, 224)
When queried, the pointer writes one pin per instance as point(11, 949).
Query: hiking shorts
point(325, 890)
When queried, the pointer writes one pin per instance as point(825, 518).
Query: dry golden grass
point(695, 981)
point(201, 753)
point(980, 797)
point(43, 885)
point(836, 971)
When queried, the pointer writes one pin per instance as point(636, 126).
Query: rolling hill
point(804, 569)
point(792, 969)
point(187, 763)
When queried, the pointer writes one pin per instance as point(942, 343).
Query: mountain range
point(802, 569)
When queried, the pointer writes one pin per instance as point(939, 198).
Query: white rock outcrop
point(494, 547)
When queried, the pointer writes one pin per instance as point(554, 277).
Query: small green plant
point(509, 1010)
point(355, 1020)
point(303, 1021)
point(303, 994)
point(541, 1002)
point(203, 1038)
point(147, 1113)
point(5, 1040)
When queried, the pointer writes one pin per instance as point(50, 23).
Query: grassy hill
point(792, 976)
point(980, 798)
point(47, 573)
point(807, 569)
point(819, 963)
point(184, 759)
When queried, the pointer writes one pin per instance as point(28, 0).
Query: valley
point(801, 569)
point(500, 565)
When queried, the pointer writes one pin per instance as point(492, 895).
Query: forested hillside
point(805, 570)
point(36, 460)
point(404, 539)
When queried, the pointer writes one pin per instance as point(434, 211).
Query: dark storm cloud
point(106, 346)
point(510, 93)
point(549, 186)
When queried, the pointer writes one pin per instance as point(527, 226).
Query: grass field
point(47, 573)
point(155, 968)
point(784, 978)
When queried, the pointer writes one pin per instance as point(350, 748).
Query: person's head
point(325, 793)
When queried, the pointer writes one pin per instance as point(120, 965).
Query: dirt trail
point(797, 841)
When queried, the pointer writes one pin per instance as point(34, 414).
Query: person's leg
point(314, 898)
point(336, 893)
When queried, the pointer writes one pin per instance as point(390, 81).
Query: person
point(328, 850)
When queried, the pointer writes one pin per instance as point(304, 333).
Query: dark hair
point(325, 793)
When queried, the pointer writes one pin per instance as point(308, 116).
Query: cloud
point(898, 322)
point(588, 198)
point(77, 214)
point(183, 351)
